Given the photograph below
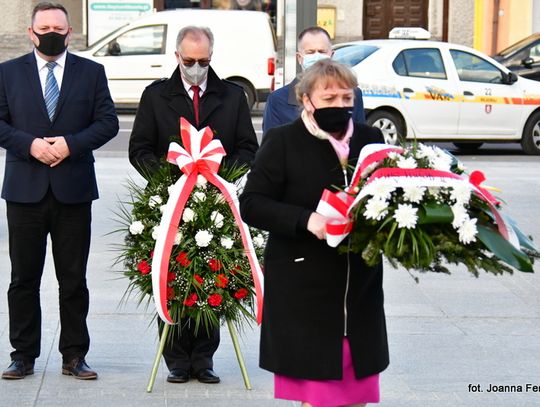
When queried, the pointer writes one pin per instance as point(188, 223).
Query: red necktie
point(195, 90)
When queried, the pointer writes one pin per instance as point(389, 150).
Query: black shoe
point(178, 376)
point(79, 369)
point(207, 376)
point(18, 369)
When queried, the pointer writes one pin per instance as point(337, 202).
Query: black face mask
point(333, 119)
point(52, 43)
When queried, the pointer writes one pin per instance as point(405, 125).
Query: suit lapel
point(35, 84)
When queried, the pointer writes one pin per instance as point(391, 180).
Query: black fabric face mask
point(52, 43)
point(333, 119)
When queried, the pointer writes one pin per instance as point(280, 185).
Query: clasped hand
point(50, 150)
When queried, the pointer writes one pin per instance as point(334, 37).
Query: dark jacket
point(85, 116)
point(283, 108)
point(305, 279)
point(223, 107)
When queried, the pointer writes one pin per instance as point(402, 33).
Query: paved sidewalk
point(447, 333)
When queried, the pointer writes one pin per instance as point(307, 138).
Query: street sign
point(105, 16)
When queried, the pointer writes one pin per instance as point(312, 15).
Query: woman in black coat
point(323, 331)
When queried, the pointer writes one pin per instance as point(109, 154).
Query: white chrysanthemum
point(136, 228)
point(199, 196)
point(227, 242)
point(426, 152)
point(434, 192)
point(178, 238)
point(467, 232)
point(154, 201)
point(155, 232)
point(201, 181)
point(442, 161)
point(258, 241)
point(203, 238)
point(376, 209)
point(460, 215)
point(393, 155)
point(217, 218)
point(406, 216)
point(461, 192)
point(408, 162)
point(414, 193)
point(188, 215)
point(382, 189)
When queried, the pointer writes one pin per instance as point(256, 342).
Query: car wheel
point(468, 146)
point(248, 90)
point(530, 140)
point(390, 124)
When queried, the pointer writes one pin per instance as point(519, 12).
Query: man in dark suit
point(195, 92)
point(281, 107)
point(55, 109)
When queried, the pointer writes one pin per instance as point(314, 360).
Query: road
point(447, 334)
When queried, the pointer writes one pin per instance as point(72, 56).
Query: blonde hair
point(325, 71)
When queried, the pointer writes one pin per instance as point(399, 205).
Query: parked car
point(431, 90)
point(138, 53)
point(523, 57)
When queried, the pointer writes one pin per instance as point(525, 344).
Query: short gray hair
point(196, 32)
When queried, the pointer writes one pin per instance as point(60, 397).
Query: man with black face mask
point(194, 92)
point(55, 109)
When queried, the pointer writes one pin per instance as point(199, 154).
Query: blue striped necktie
point(51, 90)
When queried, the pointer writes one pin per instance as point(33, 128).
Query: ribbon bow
point(201, 154)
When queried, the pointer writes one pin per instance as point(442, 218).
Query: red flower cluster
point(191, 300)
point(182, 258)
point(241, 293)
point(235, 270)
point(215, 265)
point(170, 293)
point(221, 281)
point(144, 267)
point(198, 279)
point(170, 276)
point(214, 300)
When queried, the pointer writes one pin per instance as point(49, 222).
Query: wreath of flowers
point(427, 227)
point(209, 276)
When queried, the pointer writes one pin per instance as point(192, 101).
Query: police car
point(432, 90)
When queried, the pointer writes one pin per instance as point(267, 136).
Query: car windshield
point(352, 55)
point(520, 44)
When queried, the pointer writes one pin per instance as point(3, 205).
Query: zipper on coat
point(348, 270)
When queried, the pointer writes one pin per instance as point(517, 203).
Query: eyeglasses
point(189, 62)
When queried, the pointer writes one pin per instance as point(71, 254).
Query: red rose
point(182, 258)
point(235, 270)
point(241, 293)
point(215, 300)
point(171, 276)
point(170, 293)
point(221, 281)
point(191, 300)
point(215, 265)
point(152, 254)
point(144, 267)
point(198, 279)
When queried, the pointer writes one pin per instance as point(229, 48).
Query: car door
point(489, 107)
point(134, 59)
point(427, 92)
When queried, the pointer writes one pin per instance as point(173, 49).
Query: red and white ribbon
point(202, 155)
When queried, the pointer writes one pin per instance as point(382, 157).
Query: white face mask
point(309, 59)
point(195, 74)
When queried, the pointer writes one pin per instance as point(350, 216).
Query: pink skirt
point(330, 393)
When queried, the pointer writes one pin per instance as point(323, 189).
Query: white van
point(138, 53)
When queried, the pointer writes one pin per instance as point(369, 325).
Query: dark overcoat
point(223, 107)
point(313, 294)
